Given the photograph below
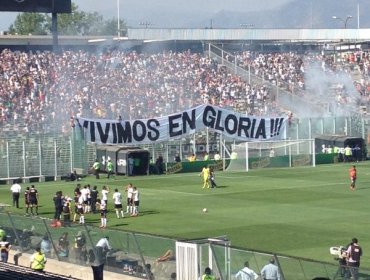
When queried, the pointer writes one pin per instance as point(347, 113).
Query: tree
point(109, 27)
point(76, 23)
point(29, 23)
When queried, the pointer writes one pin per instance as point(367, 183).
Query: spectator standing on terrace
point(4, 249)
point(100, 252)
point(80, 247)
point(45, 245)
point(246, 273)
point(38, 260)
point(16, 191)
point(208, 274)
point(270, 271)
point(63, 245)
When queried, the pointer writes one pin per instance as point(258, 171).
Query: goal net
point(286, 153)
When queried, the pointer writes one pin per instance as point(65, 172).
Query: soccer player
point(129, 189)
point(33, 196)
point(27, 200)
point(80, 209)
point(103, 212)
point(117, 198)
point(205, 173)
point(136, 202)
point(104, 194)
point(353, 176)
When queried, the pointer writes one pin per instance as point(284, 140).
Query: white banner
point(230, 124)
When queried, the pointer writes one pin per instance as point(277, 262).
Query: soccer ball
point(205, 210)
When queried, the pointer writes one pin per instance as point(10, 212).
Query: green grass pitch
point(294, 211)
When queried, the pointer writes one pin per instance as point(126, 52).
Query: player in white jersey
point(117, 198)
point(104, 194)
point(80, 209)
point(136, 199)
point(130, 203)
point(103, 212)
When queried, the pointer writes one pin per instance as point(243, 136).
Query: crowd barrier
point(135, 254)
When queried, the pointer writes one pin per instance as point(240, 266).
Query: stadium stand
point(43, 90)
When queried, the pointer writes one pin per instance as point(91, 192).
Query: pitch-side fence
point(132, 252)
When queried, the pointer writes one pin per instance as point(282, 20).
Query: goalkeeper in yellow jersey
point(205, 174)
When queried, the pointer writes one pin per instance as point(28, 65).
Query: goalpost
point(284, 153)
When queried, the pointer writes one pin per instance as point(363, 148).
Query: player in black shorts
point(33, 197)
point(27, 200)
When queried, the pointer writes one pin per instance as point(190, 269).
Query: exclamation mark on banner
point(272, 121)
point(276, 127)
point(279, 126)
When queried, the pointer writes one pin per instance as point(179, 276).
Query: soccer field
point(294, 211)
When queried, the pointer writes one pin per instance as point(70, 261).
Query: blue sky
point(172, 13)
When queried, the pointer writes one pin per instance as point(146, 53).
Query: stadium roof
point(249, 34)
point(146, 35)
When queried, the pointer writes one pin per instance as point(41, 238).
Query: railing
point(48, 157)
point(136, 254)
point(131, 253)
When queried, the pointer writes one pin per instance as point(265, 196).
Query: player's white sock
point(122, 214)
point(117, 213)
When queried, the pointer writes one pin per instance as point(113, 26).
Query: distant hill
point(296, 14)
point(215, 13)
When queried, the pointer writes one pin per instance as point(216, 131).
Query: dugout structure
point(120, 157)
point(340, 141)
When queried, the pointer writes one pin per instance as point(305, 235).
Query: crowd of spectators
point(290, 71)
point(45, 89)
point(40, 89)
